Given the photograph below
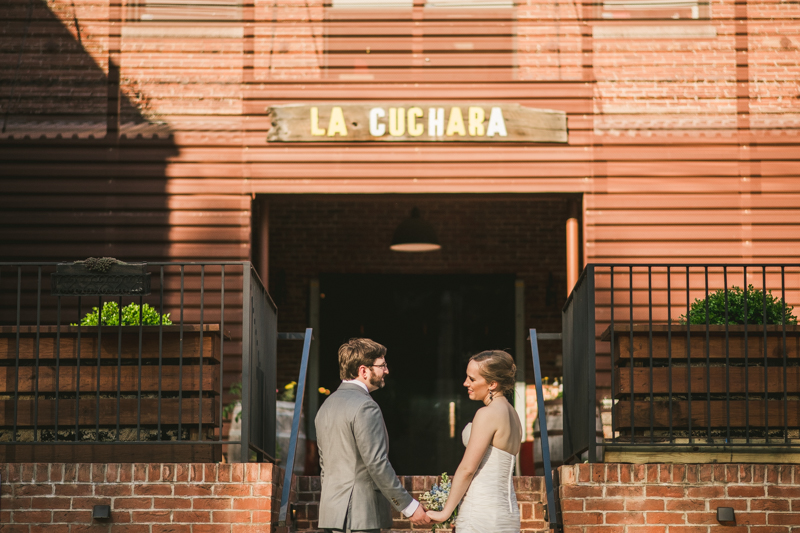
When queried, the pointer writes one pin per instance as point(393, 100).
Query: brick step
point(530, 496)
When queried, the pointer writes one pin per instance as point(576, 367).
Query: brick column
point(674, 498)
point(144, 498)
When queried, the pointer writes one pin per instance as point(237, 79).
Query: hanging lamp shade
point(415, 235)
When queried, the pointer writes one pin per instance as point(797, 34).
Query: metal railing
point(127, 388)
point(701, 355)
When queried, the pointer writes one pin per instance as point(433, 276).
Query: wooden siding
point(684, 134)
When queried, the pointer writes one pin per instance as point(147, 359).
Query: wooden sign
point(432, 122)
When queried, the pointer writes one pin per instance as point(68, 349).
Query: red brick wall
point(144, 498)
point(530, 496)
point(664, 498)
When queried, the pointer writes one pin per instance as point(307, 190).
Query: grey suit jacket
point(358, 482)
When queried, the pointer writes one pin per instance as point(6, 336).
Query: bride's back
point(508, 430)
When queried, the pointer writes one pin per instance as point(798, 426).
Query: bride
point(484, 477)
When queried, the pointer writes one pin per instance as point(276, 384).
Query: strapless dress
point(490, 504)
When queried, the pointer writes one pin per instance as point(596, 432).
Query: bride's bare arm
point(483, 430)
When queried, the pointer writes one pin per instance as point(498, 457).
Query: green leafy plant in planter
point(131, 316)
point(736, 308)
point(236, 390)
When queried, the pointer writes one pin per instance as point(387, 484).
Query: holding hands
point(420, 518)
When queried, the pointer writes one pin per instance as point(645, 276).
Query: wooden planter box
point(698, 368)
point(195, 374)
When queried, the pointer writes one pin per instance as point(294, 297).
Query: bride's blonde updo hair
point(497, 365)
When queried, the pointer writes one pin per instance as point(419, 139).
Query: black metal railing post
point(591, 362)
point(298, 408)
point(552, 514)
point(247, 362)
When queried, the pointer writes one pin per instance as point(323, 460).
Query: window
point(424, 40)
point(654, 9)
point(184, 10)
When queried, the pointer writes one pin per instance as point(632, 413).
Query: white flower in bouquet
point(435, 499)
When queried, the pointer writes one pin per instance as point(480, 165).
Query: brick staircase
point(530, 495)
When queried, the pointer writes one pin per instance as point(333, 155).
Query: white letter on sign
point(496, 123)
point(397, 121)
point(415, 129)
point(315, 129)
point(455, 124)
point(476, 117)
point(337, 123)
point(376, 129)
point(436, 121)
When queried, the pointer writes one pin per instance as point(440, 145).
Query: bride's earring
point(491, 395)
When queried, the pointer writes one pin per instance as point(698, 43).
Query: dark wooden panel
point(721, 380)
point(697, 345)
point(700, 414)
point(128, 412)
point(68, 347)
point(168, 378)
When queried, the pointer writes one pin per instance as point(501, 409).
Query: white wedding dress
point(490, 504)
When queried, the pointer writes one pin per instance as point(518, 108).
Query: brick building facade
point(139, 130)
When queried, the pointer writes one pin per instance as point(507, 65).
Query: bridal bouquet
point(435, 499)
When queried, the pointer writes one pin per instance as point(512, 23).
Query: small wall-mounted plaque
point(114, 279)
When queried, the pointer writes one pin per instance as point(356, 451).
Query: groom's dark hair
point(357, 352)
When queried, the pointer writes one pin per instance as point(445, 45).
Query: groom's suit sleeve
point(370, 436)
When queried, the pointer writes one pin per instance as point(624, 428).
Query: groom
point(357, 480)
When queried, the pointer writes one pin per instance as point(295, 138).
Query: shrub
point(130, 316)
point(736, 303)
point(235, 390)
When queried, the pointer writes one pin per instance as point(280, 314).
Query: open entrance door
point(430, 325)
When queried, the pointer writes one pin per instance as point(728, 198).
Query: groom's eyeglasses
point(384, 366)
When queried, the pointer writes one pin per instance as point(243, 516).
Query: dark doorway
point(430, 325)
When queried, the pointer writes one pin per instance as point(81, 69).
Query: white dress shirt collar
point(357, 382)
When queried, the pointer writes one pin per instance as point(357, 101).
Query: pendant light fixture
point(415, 235)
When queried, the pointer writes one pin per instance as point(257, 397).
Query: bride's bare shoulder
point(486, 416)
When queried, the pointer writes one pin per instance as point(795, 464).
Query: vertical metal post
point(180, 360)
point(16, 359)
point(221, 346)
point(58, 359)
point(202, 361)
point(78, 373)
point(708, 365)
point(613, 371)
point(548, 473)
point(139, 382)
point(313, 360)
point(727, 362)
point(591, 398)
point(650, 345)
point(99, 364)
point(766, 361)
point(630, 351)
point(119, 363)
point(519, 352)
point(785, 384)
point(746, 365)
point(247, 359)
point(160, 344)
point(689, 353)
point(669, 350)
point(298, 407)
point(38, 327)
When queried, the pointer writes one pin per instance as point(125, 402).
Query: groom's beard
point(376, 381)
